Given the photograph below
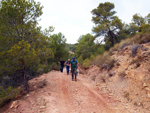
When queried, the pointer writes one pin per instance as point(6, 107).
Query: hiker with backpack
point(67, 63)
point(74, 66)
point(62, 62)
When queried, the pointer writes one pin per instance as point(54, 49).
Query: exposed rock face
point(35, 83)
point(38, 82)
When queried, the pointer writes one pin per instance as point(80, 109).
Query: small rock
point(148, 94)
point(111, 94)
point(17, 106)
point(42, 107)
point(49, 93)
point(147, 89)
point(14, 105)
point(139, 104)
point(111, 73)
point(144, 84)
point(40, 111)
point(135, 108)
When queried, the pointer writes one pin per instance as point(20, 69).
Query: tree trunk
point(25, 77)
point(26, 81)
point(111, 38)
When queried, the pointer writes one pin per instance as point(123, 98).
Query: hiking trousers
point(67, 69)
point(74, 73)
point(61, 68)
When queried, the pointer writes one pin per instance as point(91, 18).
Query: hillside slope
point(129, 80)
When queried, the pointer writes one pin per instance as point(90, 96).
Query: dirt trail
point(62, 95)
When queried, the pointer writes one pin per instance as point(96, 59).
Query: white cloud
point(73, 18)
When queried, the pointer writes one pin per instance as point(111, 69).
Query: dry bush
point(104, 61)
point(122, 74)
point(103, 79)
point(144, 39)
point(122, 44)
point(93, 77)
point(135, 103)
point(137, 62)
point(127, 95)
point(141, 38)
point(136, 39)
point(111, 63)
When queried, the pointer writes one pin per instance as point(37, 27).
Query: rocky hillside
point(129, 79)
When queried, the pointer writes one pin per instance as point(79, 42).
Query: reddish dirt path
point(62, 95)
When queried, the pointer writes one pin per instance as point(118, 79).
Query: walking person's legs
point(72, 76)
point(72, 70)
point(75, 73)
point(62, 69)
point(67, 70)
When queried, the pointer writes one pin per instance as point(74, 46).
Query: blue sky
point(73, 17)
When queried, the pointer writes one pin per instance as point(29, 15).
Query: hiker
point(61, 65)
point(67, 63)
point(74, 66)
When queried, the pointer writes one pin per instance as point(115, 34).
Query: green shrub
point(54, 66)
point(86, 63)
point(100, 50)
point(80, 61)
point(145, 28)
point(7, 95)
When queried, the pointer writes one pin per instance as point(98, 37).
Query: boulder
point(14, 104)
point(38, 82)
